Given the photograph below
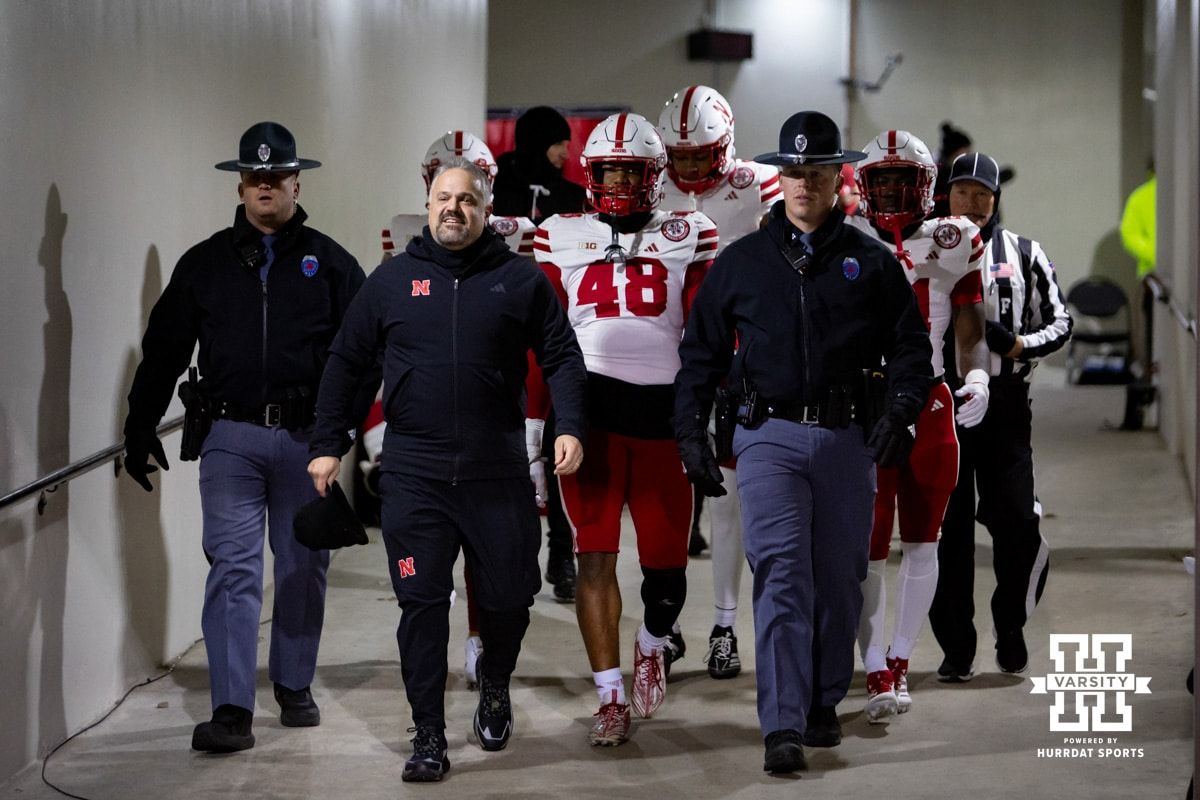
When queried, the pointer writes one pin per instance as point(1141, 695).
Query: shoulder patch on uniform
point(851, 269)
point(947, 235)
point(741, 177)
point(505, 226)
point(676, 229)
point(309, 266)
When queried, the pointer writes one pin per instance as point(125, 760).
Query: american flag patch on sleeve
point(1001, 270)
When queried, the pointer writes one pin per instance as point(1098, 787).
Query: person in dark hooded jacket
point(453, 318)
point(530, 182)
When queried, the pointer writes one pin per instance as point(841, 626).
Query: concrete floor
point(1119, 519)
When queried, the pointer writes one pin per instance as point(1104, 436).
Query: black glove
point(139, 446)
point(700, 463)
point(999, 339)
point(892, 439)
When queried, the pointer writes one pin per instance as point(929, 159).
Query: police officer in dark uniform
point(795, 318)
point(264, 299)
point(454, 317)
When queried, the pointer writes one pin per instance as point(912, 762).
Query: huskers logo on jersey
point(628, 318)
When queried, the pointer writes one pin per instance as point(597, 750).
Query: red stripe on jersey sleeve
point(708, 233)
point(968, 290)
point(525, 248)
point(976, 255)
point(691, 283)
point(706, 247)
point(772, 194)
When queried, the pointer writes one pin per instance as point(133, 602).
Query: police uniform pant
point(249, 473)
point(425, 524)
point(997, 458)
point(806, 495)
point(920, 488)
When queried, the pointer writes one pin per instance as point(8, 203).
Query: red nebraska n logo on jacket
point(406, 567)
point(421, 288)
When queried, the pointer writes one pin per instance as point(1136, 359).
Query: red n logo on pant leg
point(406, 567)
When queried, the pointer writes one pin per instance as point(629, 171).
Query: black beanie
point(538, 128)
point(953, 139)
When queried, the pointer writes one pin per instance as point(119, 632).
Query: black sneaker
point(784, 753)
point(722, 657)
point(493, 715)
point(428, 762)
point(949, 672)
point(560, 573)
point(1011, 655)
point(297, 709)
point(696, 545)
point(228, 732)
point(674, 650)
point(823, 728)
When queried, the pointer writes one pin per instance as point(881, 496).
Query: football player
point(941, 257)
point(627, 274)
point(697, 128)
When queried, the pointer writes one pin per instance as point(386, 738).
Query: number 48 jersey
point(628, 319)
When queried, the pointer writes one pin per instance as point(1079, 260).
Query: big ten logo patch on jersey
point(741, 177)
point(676, 230)
point(309, 266)
point(643, 291)
point(587, 245)
point(420, 288)
point(406, 567)
point(947, 236)
point(505, 226)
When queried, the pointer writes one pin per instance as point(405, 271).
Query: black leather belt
point(271, 415)
point(805, 415)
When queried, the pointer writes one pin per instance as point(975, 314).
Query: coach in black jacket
point(454, 317)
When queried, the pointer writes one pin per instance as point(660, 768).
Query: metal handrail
point(48, 483)
point(1162, 293)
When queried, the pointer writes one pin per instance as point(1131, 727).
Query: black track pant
point(425, 523)
point(996, 458)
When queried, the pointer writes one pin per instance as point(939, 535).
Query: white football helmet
point(698, 118)
point(457, 143)
point(897, 204)
point(629, 140)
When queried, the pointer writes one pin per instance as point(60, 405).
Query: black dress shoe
point(228, 732)
point(297, 709)
point(823, 728)
point(1011, 655)
point(784, 753)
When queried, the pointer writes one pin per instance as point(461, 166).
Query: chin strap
point(903, 255)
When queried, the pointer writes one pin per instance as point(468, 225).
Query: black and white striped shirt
point(1021, 294)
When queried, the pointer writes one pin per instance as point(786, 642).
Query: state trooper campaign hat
point(267, 147)
point(976, 167)
point(810, 137)
point(328, 522)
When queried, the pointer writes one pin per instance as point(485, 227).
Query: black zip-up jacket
point(256, 339)
point(455, 330)
point(799, 332)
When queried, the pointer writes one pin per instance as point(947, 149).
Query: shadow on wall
point(1110, 260)
point(141, 536)
point(46, 572)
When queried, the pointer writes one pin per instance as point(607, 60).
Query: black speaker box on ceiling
point(713, 45)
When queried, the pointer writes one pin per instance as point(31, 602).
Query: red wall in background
point(502, 127)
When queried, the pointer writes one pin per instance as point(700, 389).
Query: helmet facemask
point(718, 158)
point(896, 194)
point(624, 198)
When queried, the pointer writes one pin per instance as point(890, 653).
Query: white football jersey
point(628, 319)
point(942, 260)
point(517, 233)
point(736, 204)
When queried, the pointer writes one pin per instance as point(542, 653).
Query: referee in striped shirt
point(1026, 320)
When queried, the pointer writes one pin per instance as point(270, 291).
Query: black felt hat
point(328, 522)
point(810, 137)
point(267, 147)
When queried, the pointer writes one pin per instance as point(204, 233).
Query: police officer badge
point(801, 142)
point(851, 269)
point(264, 153)
point(308, 264)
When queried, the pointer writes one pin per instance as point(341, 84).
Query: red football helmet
point(630, 141)
point(897, 179)
point(457, 143)
point(698, 120)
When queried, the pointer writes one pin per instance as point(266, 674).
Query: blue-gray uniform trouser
point(807, 497)
point(248, 472)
